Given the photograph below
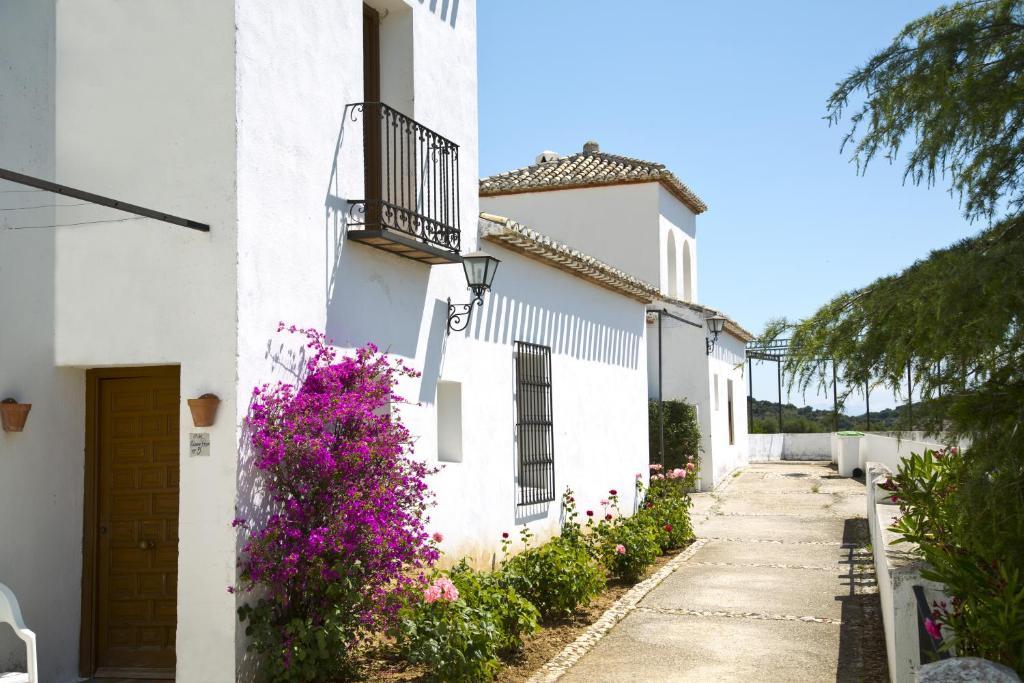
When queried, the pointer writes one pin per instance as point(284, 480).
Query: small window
point(716, 392)
point(534, 426)
point(449, 421)
point(728, 398)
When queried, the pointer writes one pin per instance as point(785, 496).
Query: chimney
point(591, 147)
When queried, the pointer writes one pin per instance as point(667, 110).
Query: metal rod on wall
point(41, 184)
point(661, 403)
point(750, 396)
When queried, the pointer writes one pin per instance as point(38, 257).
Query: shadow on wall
point(446, 10)
point(505, 320)
point(371, 296)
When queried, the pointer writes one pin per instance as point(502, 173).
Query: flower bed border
point(560, 663)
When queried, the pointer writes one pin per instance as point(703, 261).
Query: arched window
point(687, 273)
point(670, 259)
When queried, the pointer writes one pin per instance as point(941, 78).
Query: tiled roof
point(588, 169)
point(531, 243)
point(731, 326)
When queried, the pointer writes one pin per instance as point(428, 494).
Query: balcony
point(411, 204)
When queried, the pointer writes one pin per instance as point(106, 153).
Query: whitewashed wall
point(891, 450)
point(767, 447)
point(122, 114)
point(727, 362)
point(675, 219)
point(688, 375)
point(598, 393)
point(617, 224)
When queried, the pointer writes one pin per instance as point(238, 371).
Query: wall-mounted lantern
point(480, 269)
point(204, 409)
point(14, 414)
point(716, 324)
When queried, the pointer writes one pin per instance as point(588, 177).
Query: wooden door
point(133, 511)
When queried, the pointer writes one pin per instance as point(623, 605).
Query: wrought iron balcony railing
point(411, 205)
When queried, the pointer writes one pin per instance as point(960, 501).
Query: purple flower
point(933, 629)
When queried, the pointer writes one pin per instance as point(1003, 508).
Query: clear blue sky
point(731, 97)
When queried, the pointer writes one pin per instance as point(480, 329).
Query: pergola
point(778, 350)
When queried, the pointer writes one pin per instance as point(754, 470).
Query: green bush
point(669, 515)
point(556, 577)
point(512, 614)
point(456, 641)
point(682, 433)
point(976, 562)
point(628, 547)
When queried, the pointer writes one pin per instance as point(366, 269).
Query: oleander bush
point(985, 617)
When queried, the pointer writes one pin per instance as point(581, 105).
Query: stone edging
point(572, 653)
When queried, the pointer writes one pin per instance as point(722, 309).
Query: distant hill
point(806, 419)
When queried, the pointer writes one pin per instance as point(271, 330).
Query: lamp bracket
point(459, 314)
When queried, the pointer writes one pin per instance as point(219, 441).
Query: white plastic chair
point(10, 613)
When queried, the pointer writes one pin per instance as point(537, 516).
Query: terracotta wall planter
point(204, 410)
point(14, 414)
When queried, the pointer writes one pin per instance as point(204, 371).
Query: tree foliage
point(950, 87)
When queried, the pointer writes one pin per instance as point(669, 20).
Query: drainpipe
point(750, 396)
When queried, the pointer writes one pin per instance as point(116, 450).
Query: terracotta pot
point(204, 410)
point(14, 414)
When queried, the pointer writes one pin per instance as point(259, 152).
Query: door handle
point(147, 545)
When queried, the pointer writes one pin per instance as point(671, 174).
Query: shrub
point(682, 433)
point(629, 547)
point(986, 614)
point(345, 538)
point(513, 615)
point(556, 577)
point(455, 640)
point(669, 516)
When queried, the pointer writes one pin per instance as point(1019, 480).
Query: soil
point(380, 663)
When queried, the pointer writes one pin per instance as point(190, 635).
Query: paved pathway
point(782, 590)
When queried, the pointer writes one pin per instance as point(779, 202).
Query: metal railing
point(412, 178)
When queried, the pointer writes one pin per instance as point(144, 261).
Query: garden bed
point(381, 663)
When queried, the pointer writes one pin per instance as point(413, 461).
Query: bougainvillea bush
point(344, 540)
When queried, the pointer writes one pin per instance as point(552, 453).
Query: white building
point(638, 216)
point(114, 531)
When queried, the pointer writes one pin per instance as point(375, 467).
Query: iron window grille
point(411, 206)
point(534, 427)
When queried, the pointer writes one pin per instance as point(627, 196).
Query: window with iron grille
point(534, 430)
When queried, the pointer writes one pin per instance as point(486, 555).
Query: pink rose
point(438, 537)
point(448, 589)
point(432, 594)
point(639, 476)
point(604, 502)
point(620, 549)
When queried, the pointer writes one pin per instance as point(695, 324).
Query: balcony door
point(372, 113)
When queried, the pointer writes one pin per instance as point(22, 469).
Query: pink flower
point(432, 594)
point(448, 589)
point(655, 468)
point(604, 502)
point(690, 466)
point(437, 536)
point(933, 629)
point(620, 549)
point(639, 476)
point(657, 477)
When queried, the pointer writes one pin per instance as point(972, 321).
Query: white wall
point(890, 450)
point(688, 375)
point(675, 219)
point(767, 447)
point(615, 223)
point(598, 391)
point(124, 115)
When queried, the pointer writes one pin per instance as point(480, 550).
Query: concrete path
point(782, 590)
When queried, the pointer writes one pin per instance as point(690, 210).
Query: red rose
point(668, 527)
point(613, 492)
point(608, 517)
point(590, 513)
point(504, 534)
